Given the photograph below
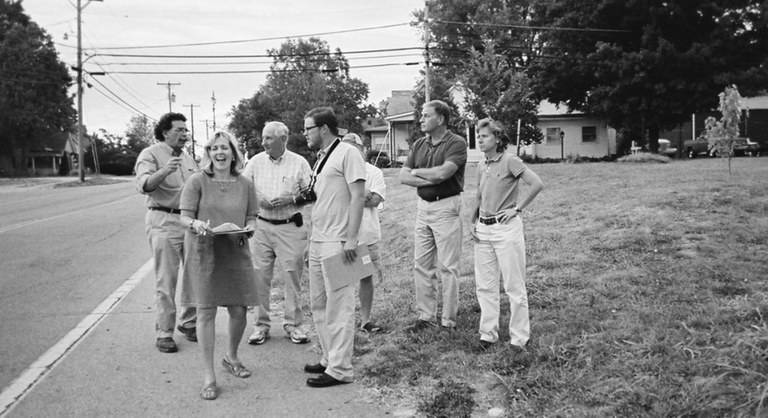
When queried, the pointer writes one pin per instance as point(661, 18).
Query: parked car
point(666, 148)
point(744, 146)
point(695, 147)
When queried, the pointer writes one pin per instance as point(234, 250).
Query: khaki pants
point(333, 313)
point(286, 244)
point(166, 239)
point(437, 253)
point(501, 251)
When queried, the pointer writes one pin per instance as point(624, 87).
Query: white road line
point(34, 221)
point(37, 370)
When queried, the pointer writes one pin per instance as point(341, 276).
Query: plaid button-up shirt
point(273, 177)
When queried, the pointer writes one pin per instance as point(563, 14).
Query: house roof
point(399, 102)
point(384, 128)
point(402, 117)
point(759, 102)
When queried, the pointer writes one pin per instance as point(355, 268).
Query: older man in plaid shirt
point(278, 175)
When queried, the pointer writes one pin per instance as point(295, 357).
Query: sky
point(119, 27)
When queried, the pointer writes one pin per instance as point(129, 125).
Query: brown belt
point(164, 209)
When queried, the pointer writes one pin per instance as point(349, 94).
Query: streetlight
point(80, 150)
point(562, 137)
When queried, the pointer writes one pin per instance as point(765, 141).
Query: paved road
point(63, 251)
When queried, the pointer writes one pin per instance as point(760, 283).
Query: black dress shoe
point(166, 345)
point(314, 368)
point(190, 333)
point(323, 381)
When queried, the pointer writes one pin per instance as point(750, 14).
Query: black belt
point(436, 198)
point(276, 221)
point(164, 209)
point(488, 221)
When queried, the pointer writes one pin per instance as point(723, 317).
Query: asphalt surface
point(107, 365)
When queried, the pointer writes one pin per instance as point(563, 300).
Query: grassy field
point(647, 290)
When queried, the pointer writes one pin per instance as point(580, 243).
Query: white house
point(571, 133)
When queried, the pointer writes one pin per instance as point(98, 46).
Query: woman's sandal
point(210, 392)
point(236, 369)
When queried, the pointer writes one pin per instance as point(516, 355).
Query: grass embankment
point(647, 291)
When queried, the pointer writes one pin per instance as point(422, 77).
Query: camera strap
point(320, 164)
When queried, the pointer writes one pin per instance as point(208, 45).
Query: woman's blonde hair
point(237, 156)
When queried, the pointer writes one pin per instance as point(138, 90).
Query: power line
point(309, 54)
point(120, 98)
point(526, 27)
point(244, 62)
point(239, 41)
point(266, 71)
point(121, 104)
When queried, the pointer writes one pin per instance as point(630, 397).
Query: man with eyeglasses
point(339, 186)
point(278, 176)
point(161, 171)
point(435, 167)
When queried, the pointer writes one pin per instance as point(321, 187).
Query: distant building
point(582, 134)
point(392, 136)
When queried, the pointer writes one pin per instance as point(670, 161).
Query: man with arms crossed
point(161, 171)
point(339, 185)
point(278, 175)
point(435, 167)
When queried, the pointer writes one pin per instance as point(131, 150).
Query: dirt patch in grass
point(647, 294)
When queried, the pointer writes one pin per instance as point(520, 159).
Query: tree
point(647, 65)
point(304, 74)
point(139, 134)
point(475, 49)
point(722, 135)
point(36, 110)
point(499, 91)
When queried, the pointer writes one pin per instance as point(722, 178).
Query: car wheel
point(691, 154)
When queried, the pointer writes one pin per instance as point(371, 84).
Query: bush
point(644, 157)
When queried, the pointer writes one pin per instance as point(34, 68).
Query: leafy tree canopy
point(477, 52)
point(35, 108)
point(663, 61)
point(304, 74)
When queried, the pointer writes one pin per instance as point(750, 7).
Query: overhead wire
point(239, 41)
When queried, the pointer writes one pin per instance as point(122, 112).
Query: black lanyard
point(319, 165)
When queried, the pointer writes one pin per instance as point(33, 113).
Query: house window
point(553, 136)
point(588, 134)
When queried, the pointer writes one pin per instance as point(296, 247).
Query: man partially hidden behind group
point(370, 232)
point(435, 167)
point(162, 170)
point(339, 185)
point(278, 176)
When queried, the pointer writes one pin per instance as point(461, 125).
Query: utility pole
point(192, 118)
point(426, 51)
point(171, 97)
point(205, 121)
point(80, 147)
point(213, 105)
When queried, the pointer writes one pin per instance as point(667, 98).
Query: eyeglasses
point(309, 128)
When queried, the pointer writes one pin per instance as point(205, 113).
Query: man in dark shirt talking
point(435, 167)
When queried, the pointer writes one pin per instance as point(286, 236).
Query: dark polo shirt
point(426, 155)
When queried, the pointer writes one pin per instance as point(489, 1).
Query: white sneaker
point(258, 337)
point(296, 335)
